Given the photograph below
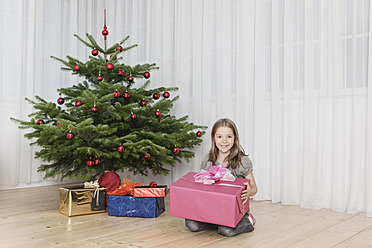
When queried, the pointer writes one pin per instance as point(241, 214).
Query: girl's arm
point(251, 189)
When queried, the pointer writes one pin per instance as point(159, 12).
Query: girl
point(226, 149)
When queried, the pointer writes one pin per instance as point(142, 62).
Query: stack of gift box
point(129, 199)
point(135, 200)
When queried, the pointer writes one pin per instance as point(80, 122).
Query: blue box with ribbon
point(129, 206)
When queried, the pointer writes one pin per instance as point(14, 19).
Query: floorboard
point(30, 218)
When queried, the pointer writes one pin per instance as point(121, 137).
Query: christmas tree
point(106, 123)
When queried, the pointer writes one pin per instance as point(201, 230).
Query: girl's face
point(224, 139)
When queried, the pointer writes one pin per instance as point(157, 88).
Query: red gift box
point(146, 191)
point(219, 203)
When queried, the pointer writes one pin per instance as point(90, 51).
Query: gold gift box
point(77, 200)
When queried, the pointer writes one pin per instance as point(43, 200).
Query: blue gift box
point(129, 206)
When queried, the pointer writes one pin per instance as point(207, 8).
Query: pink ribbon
point(214, 174)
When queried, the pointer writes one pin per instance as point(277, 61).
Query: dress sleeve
point(203, 164)
point(245, 167)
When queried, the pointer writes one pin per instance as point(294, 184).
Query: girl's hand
point(246, 193)
point(251, 189)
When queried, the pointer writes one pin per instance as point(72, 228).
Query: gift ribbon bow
point(91, 184)
point(214, 174)
point(126, 188)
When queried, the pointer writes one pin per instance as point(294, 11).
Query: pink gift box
point(219, 203)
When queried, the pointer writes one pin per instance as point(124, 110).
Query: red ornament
point(70, 135)
point(153, 184)
point(147, 156)
point(199, 134)
point(58, 125)
point(130, 79)
point(109, 66)
point(160, 120)
point(78, 103)
point(60, 101)
point(116, 93)
point(126, 95)
point(94, 109)
point(105, 32)
point(76, 68)
point(120, 73)
point(156, 96)
point(157, 113)
point(146, 74)
point(97, 161)
point(133, 116)
point(40, 122)
point(143, 103)
point(120, 148)
point(166, 94)
point(90, 162)
point(176, 150)
point(119, 48)
point(94, 52)
point(99, 78)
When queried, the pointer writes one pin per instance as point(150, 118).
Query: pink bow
point(214, 174)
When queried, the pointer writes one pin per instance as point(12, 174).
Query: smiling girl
point(226, 149)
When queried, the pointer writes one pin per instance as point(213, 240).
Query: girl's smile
point(224, 139)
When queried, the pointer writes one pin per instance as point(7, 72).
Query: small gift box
point(148, 191)
point(77, 200)
point(129, 206)
point(218, 203)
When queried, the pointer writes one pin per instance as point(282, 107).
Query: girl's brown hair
point(236, 152)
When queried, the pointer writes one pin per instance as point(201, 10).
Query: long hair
point(236, 152)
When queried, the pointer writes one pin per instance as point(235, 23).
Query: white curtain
point(292, 74)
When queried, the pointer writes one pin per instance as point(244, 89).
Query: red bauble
point(153, 184)
point(99, 78)
point(40, 122)
point(156, 96)
point(130, 79)
point(116, 93)
point(105, 32)
point(157, 113)
point(94, 52)
point(78, 103)
point(133, 116)
point(199, 134)
point(109, 66)
point(146, 74)
point(120, 73)
point(120, 148)
point(58, 125)
point(119, 48)
point(76, 68)
point(126, 95)
point(147, 156)
point(143, 103)
point(70, 135)
point(166, 94)
point(94, 109)
point(60, 101)
point(97, 161)
point(160, 120)
point(176, 150)
point(90, 162)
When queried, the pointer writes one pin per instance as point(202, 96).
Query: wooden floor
point(30, 218)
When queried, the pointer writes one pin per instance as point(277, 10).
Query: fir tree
point(106, 123)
